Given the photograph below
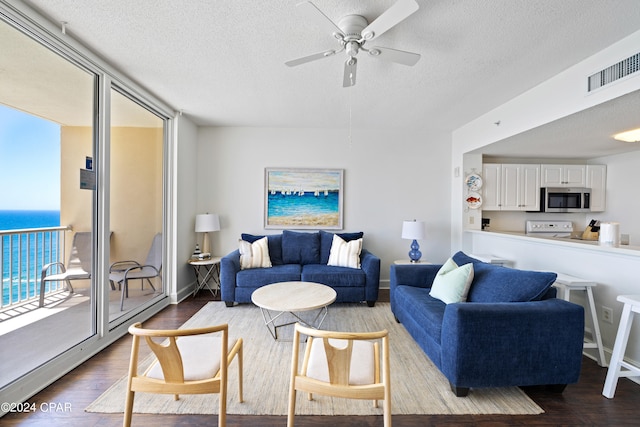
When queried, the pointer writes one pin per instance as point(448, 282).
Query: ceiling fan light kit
point(353, 31)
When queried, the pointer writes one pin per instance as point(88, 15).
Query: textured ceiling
point(222, 62)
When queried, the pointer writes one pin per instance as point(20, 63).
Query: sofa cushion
point(452, 282)
point(334, 276)
point(345, 254)
point(422, 307)
point(254, 255)
point(274, 242)
point(256, 277)
point(326, 241)
point(300, 248)
point(494, 283)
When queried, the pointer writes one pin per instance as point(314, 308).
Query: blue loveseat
point(302, 256)
point(511, 331)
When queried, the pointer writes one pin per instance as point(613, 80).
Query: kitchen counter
point(565, 241)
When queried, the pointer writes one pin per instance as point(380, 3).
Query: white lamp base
point(206, 246)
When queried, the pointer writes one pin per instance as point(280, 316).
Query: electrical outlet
point(472, 220)
point(607, 315)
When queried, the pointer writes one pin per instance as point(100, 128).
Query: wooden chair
point(341, 364)
point(189, 361)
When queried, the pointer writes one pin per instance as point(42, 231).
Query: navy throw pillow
point(300, 248)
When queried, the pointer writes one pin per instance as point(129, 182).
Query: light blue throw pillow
point(452, 283)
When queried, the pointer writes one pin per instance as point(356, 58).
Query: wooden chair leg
point(128, 409)
point(292, 407)
point(240, 374)
point(387, 412)
point(222, 418)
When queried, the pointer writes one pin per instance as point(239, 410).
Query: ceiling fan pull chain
point(350, 131)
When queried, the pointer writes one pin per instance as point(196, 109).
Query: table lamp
point(205, 223)
point(413, 230)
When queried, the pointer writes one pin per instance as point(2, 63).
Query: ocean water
point(16, 220)
point(24, 255)
point(307, 204)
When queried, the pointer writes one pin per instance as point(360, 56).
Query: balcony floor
point(64, 321)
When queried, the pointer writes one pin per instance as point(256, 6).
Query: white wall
point(623, 194)
point(389, 176)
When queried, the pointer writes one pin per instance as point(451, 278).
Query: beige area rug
point(417, 386)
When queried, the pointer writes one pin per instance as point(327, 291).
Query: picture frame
point(296, 198)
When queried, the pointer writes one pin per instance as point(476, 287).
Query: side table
point(408, 262)
point(206, 270)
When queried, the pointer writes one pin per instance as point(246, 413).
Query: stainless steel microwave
point(565, 199)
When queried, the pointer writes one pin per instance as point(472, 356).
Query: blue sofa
point(302, 256)
point(511, 331)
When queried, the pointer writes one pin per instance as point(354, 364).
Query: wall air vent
point(615, 72)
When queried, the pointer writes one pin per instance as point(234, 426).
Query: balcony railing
point(24, 253)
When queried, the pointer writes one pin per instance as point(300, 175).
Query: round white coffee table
point(293, 298)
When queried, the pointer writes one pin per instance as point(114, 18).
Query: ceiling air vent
point(615, 72)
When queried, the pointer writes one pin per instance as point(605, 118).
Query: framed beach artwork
point(303, 198)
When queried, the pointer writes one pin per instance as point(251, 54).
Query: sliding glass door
point(82, 218)
point(136, 205)
point(47, 204)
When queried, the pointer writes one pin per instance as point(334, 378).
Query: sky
point(29, 162)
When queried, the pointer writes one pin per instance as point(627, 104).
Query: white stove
point(550, 228)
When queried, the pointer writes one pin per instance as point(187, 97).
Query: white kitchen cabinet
point(511, 187)
point(597, 182)
point(491, 187)
point(563, 175)
point(520, 187)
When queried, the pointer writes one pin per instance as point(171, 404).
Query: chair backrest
point(341, 364)
point(80, 256)
point(154, 257)
point(189, 361)
point(342, 358)
point(177, 348)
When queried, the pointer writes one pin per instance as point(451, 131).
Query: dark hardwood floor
point(581, 404)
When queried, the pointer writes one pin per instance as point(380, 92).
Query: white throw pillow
point(345, 254)
point(254, 255)
point(452, 283)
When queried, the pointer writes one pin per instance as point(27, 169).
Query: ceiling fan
point(354, 31)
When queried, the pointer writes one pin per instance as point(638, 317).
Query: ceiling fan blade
point(349, 78)
point(310, 58)
point(314, 14)
point(394, 55)
point(391, 17)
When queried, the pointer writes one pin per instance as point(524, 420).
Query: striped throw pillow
point(345, 254)
point(254, 255)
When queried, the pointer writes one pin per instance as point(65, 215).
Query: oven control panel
point(559, 227)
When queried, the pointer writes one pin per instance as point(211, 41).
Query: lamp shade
point(207, 222)
point(413, 230)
